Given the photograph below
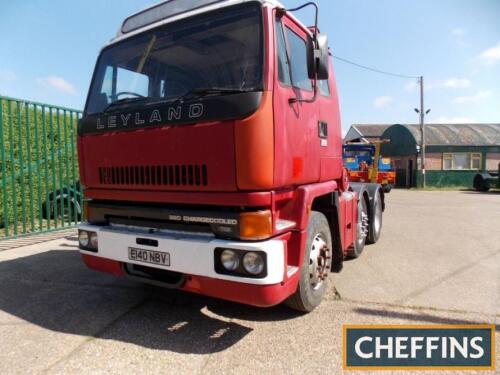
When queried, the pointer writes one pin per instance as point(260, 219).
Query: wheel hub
point(377, 218)
point(319, 261)
point(362, 226)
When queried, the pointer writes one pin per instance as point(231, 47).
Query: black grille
point(161, 175)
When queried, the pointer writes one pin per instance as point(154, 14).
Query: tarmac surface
point(437, 262)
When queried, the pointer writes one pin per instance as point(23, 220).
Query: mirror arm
point(312, 100)
point(281, 12)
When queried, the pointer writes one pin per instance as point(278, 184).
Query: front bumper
point(190, 253)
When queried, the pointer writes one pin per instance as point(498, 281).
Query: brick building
point(454, 152)
point(365, 132)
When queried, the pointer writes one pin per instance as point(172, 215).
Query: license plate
point(149, 256)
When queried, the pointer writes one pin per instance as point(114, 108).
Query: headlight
point(230, 260)
point(83, 238)
point(93, 240)
point(253, 263)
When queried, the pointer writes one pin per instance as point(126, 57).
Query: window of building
point(475, 161)
point(461, 161)
point(298, 56)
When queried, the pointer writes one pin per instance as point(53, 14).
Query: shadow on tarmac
point(54, 290)
point(472, 191)
point(421, 317)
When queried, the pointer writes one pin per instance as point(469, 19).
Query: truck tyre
point(480, 183)
point(361, 229)
point(375, 227)
point(315, 266)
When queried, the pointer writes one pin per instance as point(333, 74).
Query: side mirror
point(317, 58)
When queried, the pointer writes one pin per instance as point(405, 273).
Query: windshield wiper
point(218, 90)
point(199, 92)
point(124, 101)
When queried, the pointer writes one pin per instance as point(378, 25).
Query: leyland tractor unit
point(365, 164)
point(211, 155)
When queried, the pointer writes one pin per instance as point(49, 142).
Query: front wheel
point(315, 266)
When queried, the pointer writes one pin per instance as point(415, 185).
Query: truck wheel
point(480, 184)
point(375, 226)
point(315, 266)
point(361, 230)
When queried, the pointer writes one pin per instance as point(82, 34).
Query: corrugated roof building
point(454, 152)
point(365, 132)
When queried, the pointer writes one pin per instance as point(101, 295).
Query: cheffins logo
point(419, 347)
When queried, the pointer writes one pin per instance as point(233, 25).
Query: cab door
point(329, 129)
point(297, 156)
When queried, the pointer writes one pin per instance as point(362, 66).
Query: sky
point(48, 50)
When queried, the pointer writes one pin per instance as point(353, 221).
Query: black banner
point(133, 116)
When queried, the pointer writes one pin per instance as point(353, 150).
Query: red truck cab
point(211, 154)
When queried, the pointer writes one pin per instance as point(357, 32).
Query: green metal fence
point(39, 186)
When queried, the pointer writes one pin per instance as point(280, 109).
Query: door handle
point(322, 129)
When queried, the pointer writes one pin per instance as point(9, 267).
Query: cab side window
point(283, 63)
point(324, 87)
point(298, 64)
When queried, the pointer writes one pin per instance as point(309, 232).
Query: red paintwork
point(211, 144)
point(299, 158)
point(208, 198)
point(383, 177)
point(256, 295)
point(274, 159)
point(348, 217)
point(103, 265)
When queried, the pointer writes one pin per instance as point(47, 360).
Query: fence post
point(5, 212)
point(38, 168)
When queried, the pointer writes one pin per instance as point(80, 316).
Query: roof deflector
point(162, 11)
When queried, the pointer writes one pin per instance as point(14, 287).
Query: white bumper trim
point(192, 254)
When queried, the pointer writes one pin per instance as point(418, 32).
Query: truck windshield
point(221, 50)
point(351, 153)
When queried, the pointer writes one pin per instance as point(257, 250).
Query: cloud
point(58, 84)
point(382, 101)
point(483, 94)
point(459, 34)
point(491, 56)
point(454, 120)
point(450, 83)
point(458, 31)
point(456, 83)
point(411, 86)
point(7, 75)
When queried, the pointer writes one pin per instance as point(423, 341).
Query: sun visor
point(162, 11)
